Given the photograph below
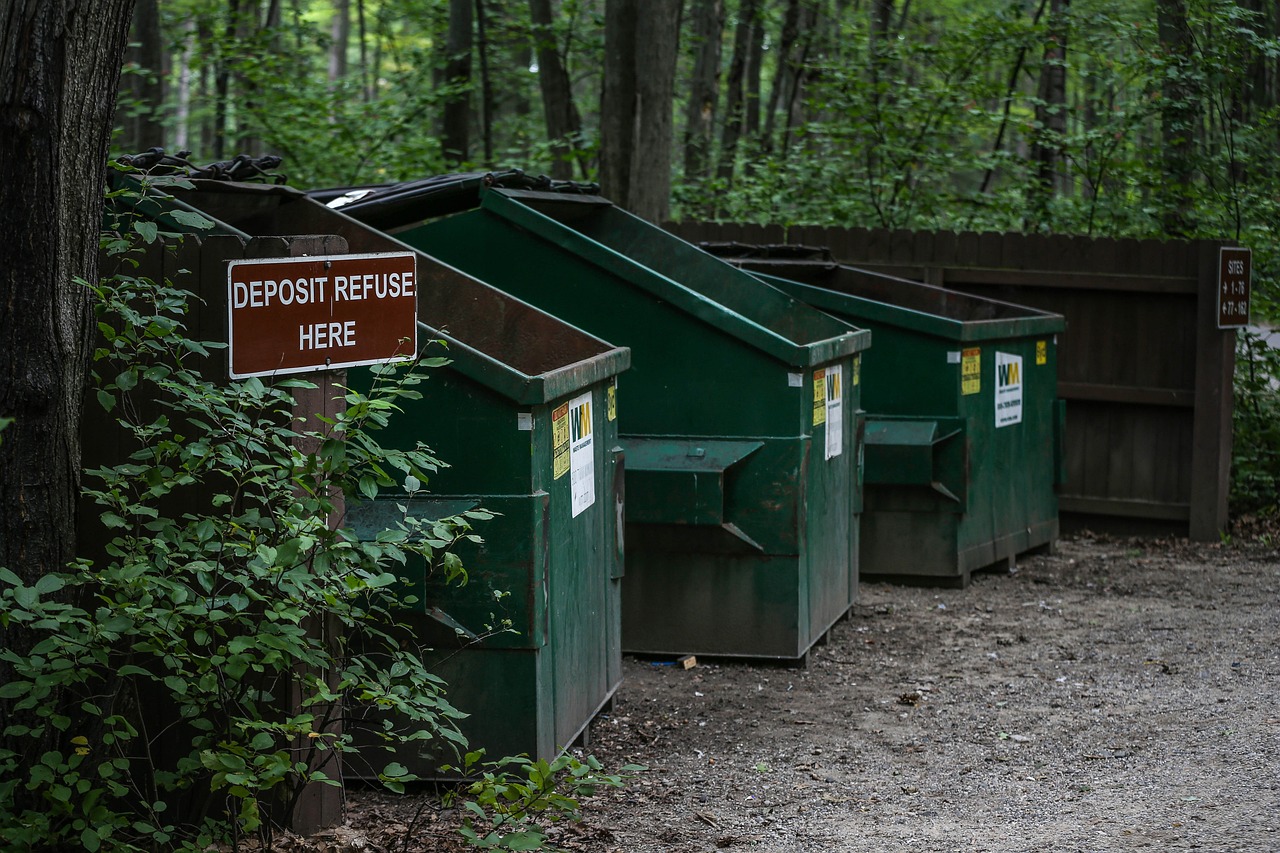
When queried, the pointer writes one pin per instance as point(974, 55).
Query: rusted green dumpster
point(741, 427)
point(964, 428)
point(525, 416)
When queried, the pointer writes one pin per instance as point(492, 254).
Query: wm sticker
point(834, 405)
point(1008, 389)
point(582, 466)
point(580, 421)
point(1042, 352)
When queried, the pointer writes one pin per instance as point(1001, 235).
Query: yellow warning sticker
point(819, 397)
point(560, 442)
point(1042, 352)
point(971, 371)
point(612, 408)
point(857, 369)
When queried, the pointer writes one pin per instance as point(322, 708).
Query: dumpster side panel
point(829, 510)
point(1014, 508)
point(585, 648)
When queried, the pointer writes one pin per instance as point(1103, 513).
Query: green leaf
point(148, 230)
point(191, 219)
point(49, 583)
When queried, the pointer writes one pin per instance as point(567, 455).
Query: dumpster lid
point(408, 202)
point(920, 307)
point(686, 454)
point(963, 316)
point(679, 273)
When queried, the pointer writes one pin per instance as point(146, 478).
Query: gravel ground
point(1118, 695)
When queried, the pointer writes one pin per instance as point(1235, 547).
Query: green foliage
point(511, 800)
point(1255, 463)
point(186, 681)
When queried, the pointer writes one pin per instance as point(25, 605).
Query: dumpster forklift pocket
point(919, 452)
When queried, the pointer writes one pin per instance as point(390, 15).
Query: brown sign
point(288, 315)
point(1235, 268)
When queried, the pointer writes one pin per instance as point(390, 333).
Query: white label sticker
point(953, 357)
point(1008, 389)
point(582, 457)
point(795, 380)
point(835, 411)
point(524, 421)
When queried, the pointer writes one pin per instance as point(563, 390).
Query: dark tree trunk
point(1051, 116)
point(657, 37)
point(486, 84)
point(635, 124)
point(59, 74)
point(797, 20)
point(457, 74)
point(754, 71)
point(735, 87)
point(142, 95)
point(222, 82)
point(618, 99)
point(704, 90)
point(1177, 117)
point(563, 121)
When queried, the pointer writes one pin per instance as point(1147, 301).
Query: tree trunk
point(142, 95)
point(788, 69)
point(618, 99)
point(340, 31)
point(700, 109)
point(754, 71)
point(735, 88)
point(59, 74)
point(486, 84)
point(1051, 116)
point(457, 75)
point(559, 110)
point(657, 36)
point(1177, 117)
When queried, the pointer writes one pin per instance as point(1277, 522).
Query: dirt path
point(1118, 695)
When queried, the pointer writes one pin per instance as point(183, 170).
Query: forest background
point(1128, 118)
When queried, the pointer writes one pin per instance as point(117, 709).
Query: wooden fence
point(1143, 367)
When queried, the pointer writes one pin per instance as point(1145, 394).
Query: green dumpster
point(525, 415)
point(964, 429)
point(742, 422)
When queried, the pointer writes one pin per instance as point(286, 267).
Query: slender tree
point(457, 74)
point(1178, 115)
point(700, 106)
point(736, 86)
point(559, 111)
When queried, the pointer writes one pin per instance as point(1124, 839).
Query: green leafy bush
point(188, 681)
point(1255, 463)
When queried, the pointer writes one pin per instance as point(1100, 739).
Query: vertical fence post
point(319, 806)
point(1211, 429)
